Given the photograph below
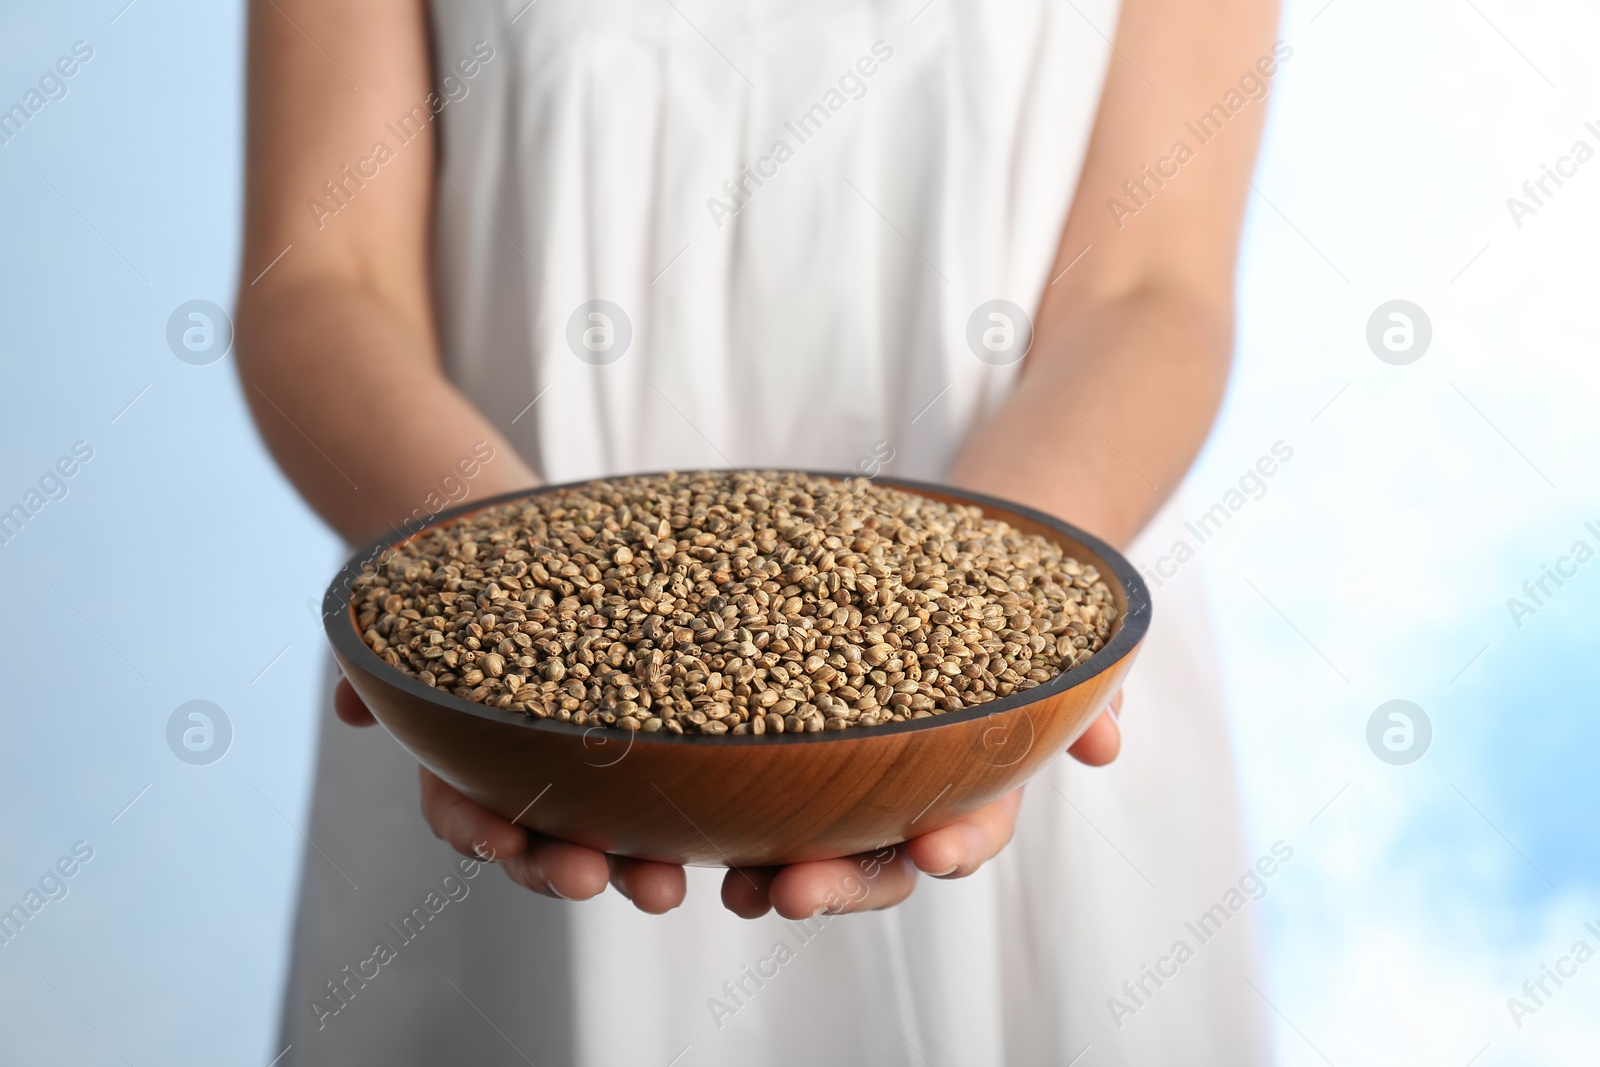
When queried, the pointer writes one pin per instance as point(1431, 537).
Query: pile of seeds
point(732, 601)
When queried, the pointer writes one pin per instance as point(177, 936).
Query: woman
point(602, 237)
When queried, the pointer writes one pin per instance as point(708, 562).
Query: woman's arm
point(1132, 344)
point(337, 351)
point(336, 345)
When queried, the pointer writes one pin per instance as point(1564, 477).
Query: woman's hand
point(572, 872)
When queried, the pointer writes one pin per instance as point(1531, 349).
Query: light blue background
point(1419, 499)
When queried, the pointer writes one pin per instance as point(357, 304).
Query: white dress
point(812, 312)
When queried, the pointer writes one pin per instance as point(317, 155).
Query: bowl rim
point(346, 639)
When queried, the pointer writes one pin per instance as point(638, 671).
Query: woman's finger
point(654, 888)
point(347, 705)
point(465, 826)
point(1102, 741)
point(746, 891)
point(1099, 744)
point(559, 869)
point(865, 882)
point(542, 864)
point(956, 850)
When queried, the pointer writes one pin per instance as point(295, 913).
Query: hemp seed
point(732, 602)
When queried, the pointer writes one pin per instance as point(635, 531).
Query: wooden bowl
point(747, 800)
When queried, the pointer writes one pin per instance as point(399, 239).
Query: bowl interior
point(1128, 590)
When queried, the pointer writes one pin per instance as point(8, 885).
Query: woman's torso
point(822, 324)
point(919, 160)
